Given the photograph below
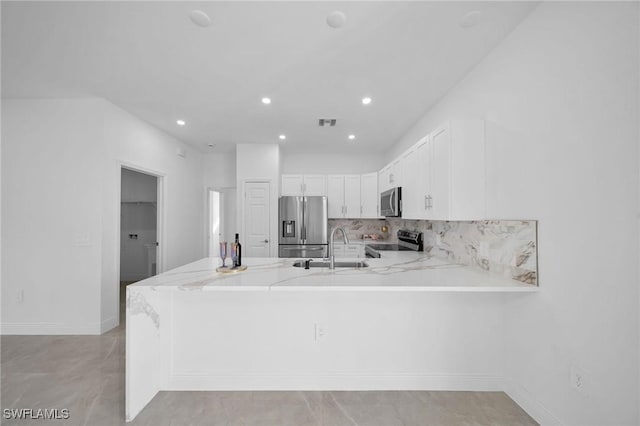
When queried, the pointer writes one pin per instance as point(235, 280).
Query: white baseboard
point(108, 324)
point(37, 328)
point(335, 382)
point(528, 403)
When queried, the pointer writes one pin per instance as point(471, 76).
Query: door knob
point(266, 241)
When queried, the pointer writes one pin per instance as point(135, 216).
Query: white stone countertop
point(396, 271)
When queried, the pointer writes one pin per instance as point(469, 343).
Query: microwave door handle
point(392, 202)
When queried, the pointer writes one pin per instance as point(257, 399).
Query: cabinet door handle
point(360, 210)
point(425, 203)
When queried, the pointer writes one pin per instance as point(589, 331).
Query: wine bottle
point(239, 249)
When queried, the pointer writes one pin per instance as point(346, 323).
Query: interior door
point(257, 219)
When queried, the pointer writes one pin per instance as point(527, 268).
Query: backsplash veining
point(505, 247)
point(357, 228)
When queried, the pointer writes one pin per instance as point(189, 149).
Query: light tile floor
point(85, 374)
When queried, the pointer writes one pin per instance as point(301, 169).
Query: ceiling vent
point(326, 122)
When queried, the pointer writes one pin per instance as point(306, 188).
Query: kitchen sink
point(325, 264)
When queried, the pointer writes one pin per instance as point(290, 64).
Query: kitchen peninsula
point(279, 327)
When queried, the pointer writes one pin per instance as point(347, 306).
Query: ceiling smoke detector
point(331, 122)
point(470, 19)
point(336, 19)
point(200, 18)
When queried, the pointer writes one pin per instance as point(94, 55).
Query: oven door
point(390, 202)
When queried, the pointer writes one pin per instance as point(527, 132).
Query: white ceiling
point(150, 59)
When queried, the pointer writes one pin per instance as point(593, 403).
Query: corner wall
point(61, 198)
point(560, 97)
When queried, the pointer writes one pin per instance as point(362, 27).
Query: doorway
point(215, 221)
point(221, 218)
point(140, 216)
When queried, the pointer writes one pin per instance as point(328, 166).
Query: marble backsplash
point(505, 247)
point(357, 228)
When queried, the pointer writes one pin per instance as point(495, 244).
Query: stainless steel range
point(407, 241)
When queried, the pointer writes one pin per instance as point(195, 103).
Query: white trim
point(354, 382)
point(108, 324)
point(528, 403)
point(52, 328)
point(161, 252)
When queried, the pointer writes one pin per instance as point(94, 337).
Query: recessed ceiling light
point(352, 137)
point(282, 137)
point(336, 19)
point(366, 101)
point(470, 19)
point(180, 122)
point(200, 18)
point(266, 101)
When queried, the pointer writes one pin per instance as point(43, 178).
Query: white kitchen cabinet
point(412, 185)
point(395, 173)
point(314, 185)
point(343, 196)
point(454, 184)
point(299, 185)
point(384, 178)
point(369, 196)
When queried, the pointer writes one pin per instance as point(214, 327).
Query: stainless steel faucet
point(332, 264)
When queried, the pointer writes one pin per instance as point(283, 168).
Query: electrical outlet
point(319, 332)
point(20, 296)
point(578, 379)
point(82, 239)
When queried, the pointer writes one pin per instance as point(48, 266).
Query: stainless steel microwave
point(391, 202)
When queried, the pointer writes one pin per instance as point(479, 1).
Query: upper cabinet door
point(440, 173)
point(384, 179)
point(291, 185)
point(423, 177)
point(369, 196)
point(352, 206)
point(335, 196)
point(300, 185)
point(411, 185)
point(314, 185)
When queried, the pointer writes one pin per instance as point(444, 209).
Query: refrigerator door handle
point(304, 220)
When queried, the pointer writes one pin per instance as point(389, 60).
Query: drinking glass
point(223, 252)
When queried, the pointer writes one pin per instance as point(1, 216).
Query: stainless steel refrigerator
point(302, 223)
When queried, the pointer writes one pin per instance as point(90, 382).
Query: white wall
point(135, 143)
point(61, 198)
point(51, 189)
point(219, 172)
point(259, 162)
point(560, 96)
point(219, 169)
point(331, 163)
